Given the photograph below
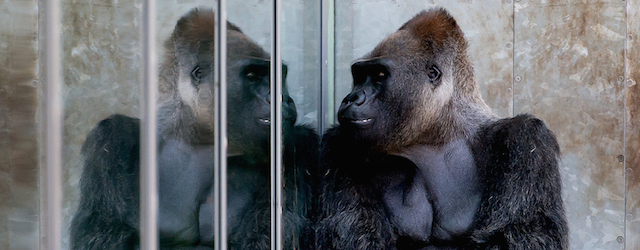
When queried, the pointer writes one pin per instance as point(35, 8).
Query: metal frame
point(276, 130)
point(148, 138)
point(53, 116)
point(220, 121)
point(326, 103)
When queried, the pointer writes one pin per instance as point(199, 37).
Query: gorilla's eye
point(250, 74)
point(434, 74)
point(380, 76)
point(196, 74)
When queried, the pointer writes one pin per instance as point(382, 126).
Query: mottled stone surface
point(487, 25)
point(569, 60)
point(633, 125)
point(19, 85)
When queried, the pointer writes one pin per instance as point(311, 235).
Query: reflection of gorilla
point(107, 216)
point(420, 162)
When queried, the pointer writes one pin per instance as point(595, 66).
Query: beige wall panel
point(18, 129)
point(633, 124)
point(568, 70)
point(487, 25)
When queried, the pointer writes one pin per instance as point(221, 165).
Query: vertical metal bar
point(326, 109)
point(220, 121)
point(148, 139)
point(624, 124)
point(53, 122)
point(324, 67)
point(276, 131)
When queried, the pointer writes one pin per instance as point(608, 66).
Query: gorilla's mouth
point(265, 121)
point(361, 123)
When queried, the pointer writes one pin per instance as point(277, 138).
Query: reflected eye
point(251, 74)
point(196, 74)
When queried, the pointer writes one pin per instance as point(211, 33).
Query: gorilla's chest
point(439, 196)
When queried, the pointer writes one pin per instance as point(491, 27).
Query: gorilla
point(107, 215)
point(419, 161)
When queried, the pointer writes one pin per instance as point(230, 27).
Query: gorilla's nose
point(357, 97)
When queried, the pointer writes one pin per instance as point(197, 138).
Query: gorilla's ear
point(435, 26)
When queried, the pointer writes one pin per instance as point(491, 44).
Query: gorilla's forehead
point(401, 45)
point(239, 45)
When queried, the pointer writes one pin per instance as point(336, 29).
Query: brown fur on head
point(413, 109)
point(465, 110)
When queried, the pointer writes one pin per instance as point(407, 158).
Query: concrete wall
point(19, 85)
point(572, 63)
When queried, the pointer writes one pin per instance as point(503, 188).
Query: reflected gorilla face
point(248, 73)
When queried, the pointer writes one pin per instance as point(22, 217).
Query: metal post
point(53, 122)
point(326, 106)
point(220, 121)
point(276, 131)
point(148, 139)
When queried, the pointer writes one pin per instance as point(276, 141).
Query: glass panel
point(301, 52)
point(249, 124)
point(102, 70)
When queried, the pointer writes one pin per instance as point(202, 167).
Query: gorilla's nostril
point(360, 98)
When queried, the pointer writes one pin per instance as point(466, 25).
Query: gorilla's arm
point(522, 204)
point(108, 209)
point(302, 179)
point(107, 216)
point(351, 215)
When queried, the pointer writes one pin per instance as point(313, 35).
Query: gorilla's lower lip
point(359, 123)
point(362, 121)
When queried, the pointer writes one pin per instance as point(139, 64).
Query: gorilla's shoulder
point(524, 128)
point(306, 133)
point(113, 134)
point(118, 123)
point(522, 138)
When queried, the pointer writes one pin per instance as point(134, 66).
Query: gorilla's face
point(248, 90)
point(398, 88)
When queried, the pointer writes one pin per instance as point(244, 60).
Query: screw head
point(630, 37)
point(508, 45)
point(621, 158)
point(620, 78)
point(620, 239)
point(518, 78)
